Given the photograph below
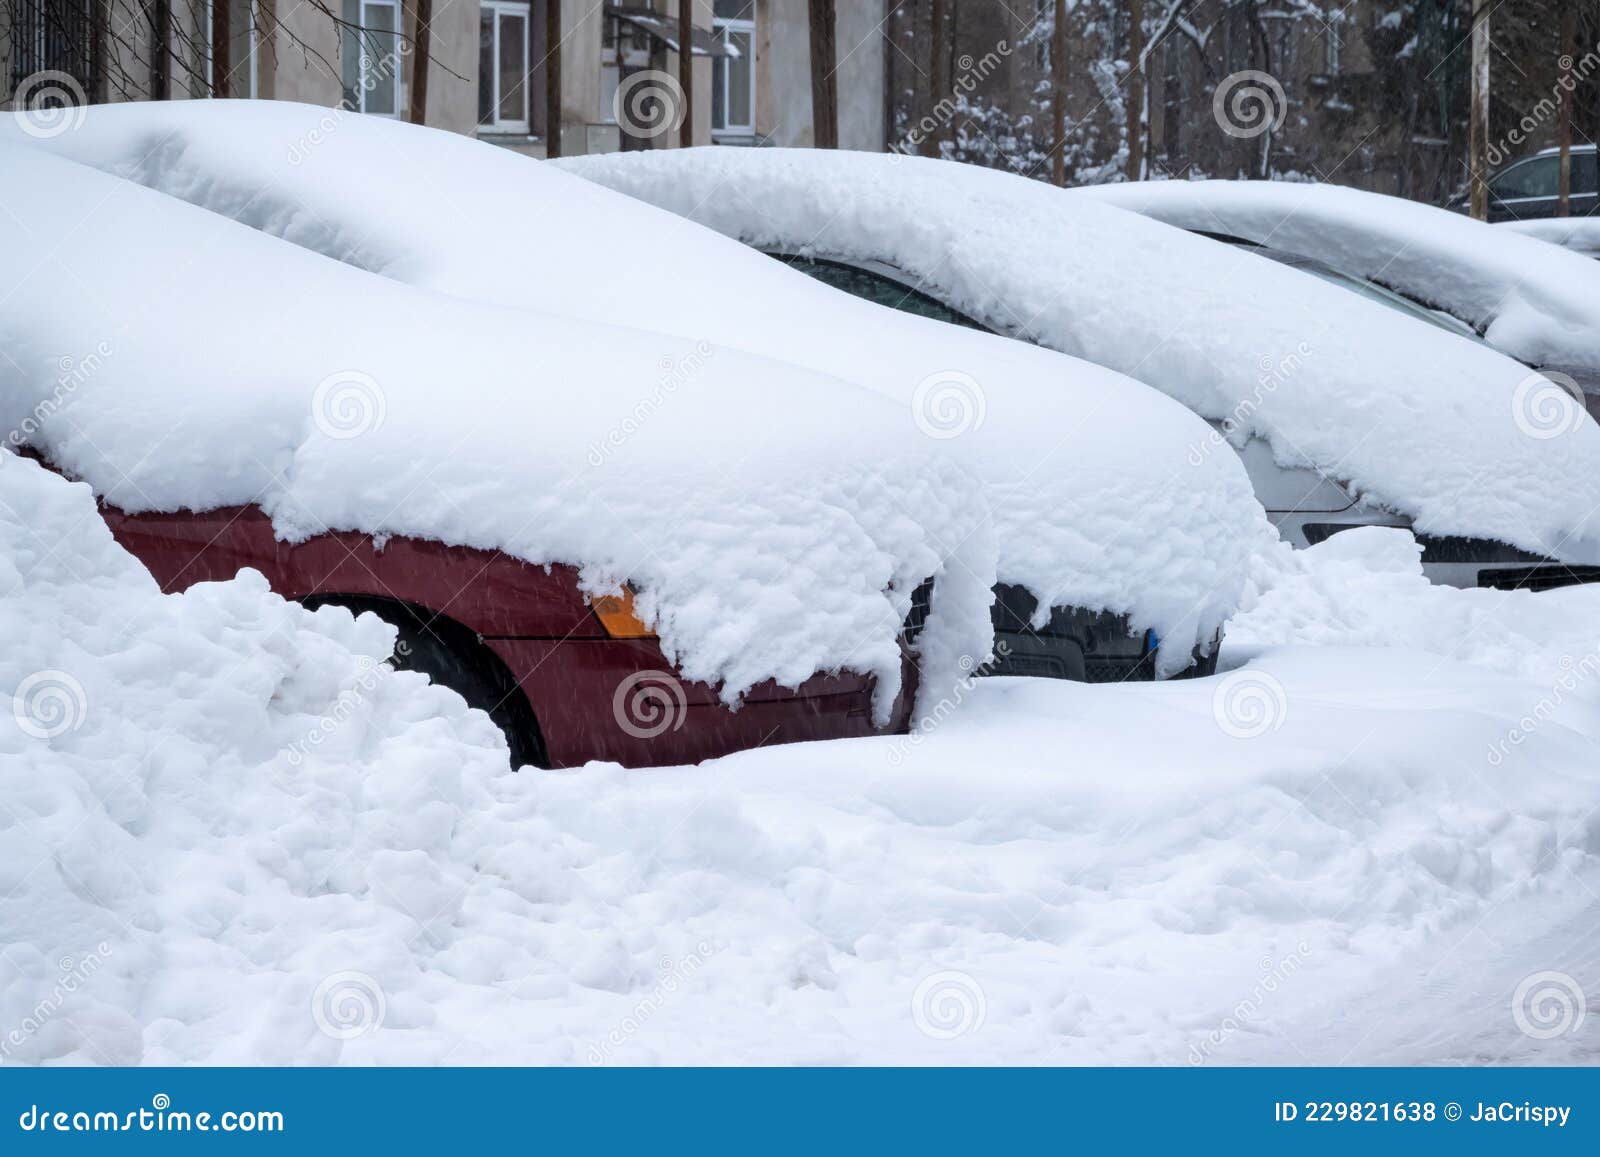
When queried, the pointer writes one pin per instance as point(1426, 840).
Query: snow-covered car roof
point(1427, 423)
point(1579, 234)
point(1535, 303)
point(1102, 492)
point(174, 359)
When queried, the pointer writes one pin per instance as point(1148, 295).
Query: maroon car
point(568, 679)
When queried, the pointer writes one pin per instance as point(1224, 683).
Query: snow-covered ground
point(1328, 853)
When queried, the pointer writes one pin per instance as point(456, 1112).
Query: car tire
point(452, 657)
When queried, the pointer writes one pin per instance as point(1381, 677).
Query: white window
point(733, 77)
point(503, 66)
point(243, 34)
point(371, 63)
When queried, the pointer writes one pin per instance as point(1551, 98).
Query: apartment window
point(371, 64)
point(242, 79)
point(54, 36)
point(733, 77)
point(624, 50)
point(503, 66)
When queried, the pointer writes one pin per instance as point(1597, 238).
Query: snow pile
point(1580, 234)
point(1423, 422)
point(210, 365)
point(1365, 588)
point(1103, 493)
point(1536, 303)
point(197, 787)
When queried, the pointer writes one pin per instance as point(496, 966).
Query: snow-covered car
point(1527, 189)
point(1529, 301)
point(1579, 234)
point(1346, 412)
point(1120, 548)
point(738, 569)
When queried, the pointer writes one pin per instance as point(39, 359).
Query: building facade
point(486, 63)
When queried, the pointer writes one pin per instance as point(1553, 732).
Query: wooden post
point(220, 43)
point(1136, 90)
point(1058, 97)
point(1478, 121)
point(1566, 50)
point(936, 79)
point(686, 70)
point(824, 76)
point(421, 49)
point(552, 78)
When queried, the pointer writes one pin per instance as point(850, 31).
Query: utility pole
point(686, 70)
point(552, 78)
point(1565, 51)
point(1136, 87)
point(421, 47)
point(219, 48)
point(1478, 122)
point(936, 79)
point(824, 76)
point(1058, 97)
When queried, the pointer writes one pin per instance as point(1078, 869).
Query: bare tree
point(937, 100)
point(1137, 115)
point(824, 75)
point(422, 38)
point(1478, 123)
point(1566, 50)
point(686, 70)
point(1058, 97)
point(552, 78)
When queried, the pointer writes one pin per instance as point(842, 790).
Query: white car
point(1347, 411)
point(1119, 551)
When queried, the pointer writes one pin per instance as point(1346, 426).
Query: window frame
point(723, 29)
point(360, 35)
point(497, 125)
point(252, 45)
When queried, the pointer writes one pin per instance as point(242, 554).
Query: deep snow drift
point(1098, 493)
point(1215, 871)
point(1538, 304)
point(209, 365)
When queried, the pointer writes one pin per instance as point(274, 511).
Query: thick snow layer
point(1538, 304)
point(1104, 493)
point(1210, 871)
point(1580, 234)
point(1424, 422)
point(175, 359)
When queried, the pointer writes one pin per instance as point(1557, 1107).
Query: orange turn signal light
point(618, 617)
